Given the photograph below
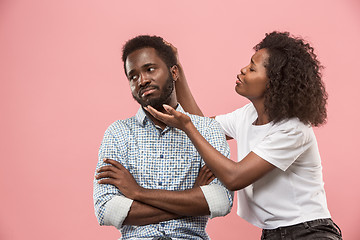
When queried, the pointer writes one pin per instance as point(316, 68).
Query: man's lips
point(146, 91)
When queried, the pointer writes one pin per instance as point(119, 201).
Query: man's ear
point(174, 70)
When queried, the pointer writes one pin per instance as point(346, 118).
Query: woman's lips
point(239, 81)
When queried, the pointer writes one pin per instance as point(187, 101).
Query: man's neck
point(156, 121)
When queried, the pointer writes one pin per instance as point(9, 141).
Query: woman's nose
point(243, 71)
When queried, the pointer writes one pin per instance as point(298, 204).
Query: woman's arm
point(234, 175)
point(184, 95)
point(183, 92)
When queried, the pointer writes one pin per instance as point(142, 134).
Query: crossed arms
point(120, 200)
point(146, 205)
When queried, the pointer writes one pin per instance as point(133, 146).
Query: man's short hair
point(163, 50)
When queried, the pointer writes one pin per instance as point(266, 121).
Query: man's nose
point(143, 79)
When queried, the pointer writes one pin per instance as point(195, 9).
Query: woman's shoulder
point(293, 126)
point(292, 123)
point(245, 111)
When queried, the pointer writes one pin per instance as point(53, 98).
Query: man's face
point(150, 80)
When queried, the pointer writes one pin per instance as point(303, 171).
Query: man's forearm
point(143, 214)
point(190, 202)
point(185, 203)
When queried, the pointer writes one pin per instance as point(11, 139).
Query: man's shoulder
point(122, 125)
point(200, 119)
point(204, 122)
point(211, 130)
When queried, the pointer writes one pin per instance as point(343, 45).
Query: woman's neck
point(263, 117)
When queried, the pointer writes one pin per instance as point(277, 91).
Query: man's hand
point(205, 177)
point(115, 174)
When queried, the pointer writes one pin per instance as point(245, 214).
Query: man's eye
point(132, 78)
point(150, 69)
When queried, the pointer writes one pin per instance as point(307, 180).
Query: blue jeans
point(316, 229)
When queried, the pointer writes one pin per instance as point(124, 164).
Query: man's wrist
point(139, 194)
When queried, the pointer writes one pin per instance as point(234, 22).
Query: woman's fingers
point(158, 115)
point(170, 110)
point(172, 118)
point(173, 48)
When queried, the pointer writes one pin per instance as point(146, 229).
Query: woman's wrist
point(189, 128)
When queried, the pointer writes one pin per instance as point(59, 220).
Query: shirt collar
point(141, 116)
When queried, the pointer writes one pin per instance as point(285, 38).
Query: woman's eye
point(252, 70)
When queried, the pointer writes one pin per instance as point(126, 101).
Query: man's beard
point(164, 96)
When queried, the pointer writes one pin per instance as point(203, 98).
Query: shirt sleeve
point(284, 143)
point(111, 207)
point(218, 197)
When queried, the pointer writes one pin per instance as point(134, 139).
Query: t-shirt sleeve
point(284, 143)
point(228, 122)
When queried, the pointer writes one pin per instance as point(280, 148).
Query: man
point(147, 181)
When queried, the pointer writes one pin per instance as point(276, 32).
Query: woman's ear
point(174, 70)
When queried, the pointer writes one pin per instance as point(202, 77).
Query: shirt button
point(160, 183)
point(162, 224)
point(161, 156)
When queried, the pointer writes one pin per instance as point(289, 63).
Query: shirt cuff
point(217, 200)
point(116, 210)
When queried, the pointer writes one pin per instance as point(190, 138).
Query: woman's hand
point(174, 118)
point(175, 51)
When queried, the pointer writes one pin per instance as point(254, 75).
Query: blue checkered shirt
point(159, 159)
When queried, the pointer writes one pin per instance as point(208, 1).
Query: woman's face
point(252, 79)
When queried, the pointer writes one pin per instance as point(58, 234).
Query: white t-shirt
point(294, 191)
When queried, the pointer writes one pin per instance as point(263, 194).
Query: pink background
point(62, 84)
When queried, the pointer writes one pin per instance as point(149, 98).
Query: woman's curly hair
point(295, 87)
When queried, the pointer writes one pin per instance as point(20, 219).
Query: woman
point(278, 176)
